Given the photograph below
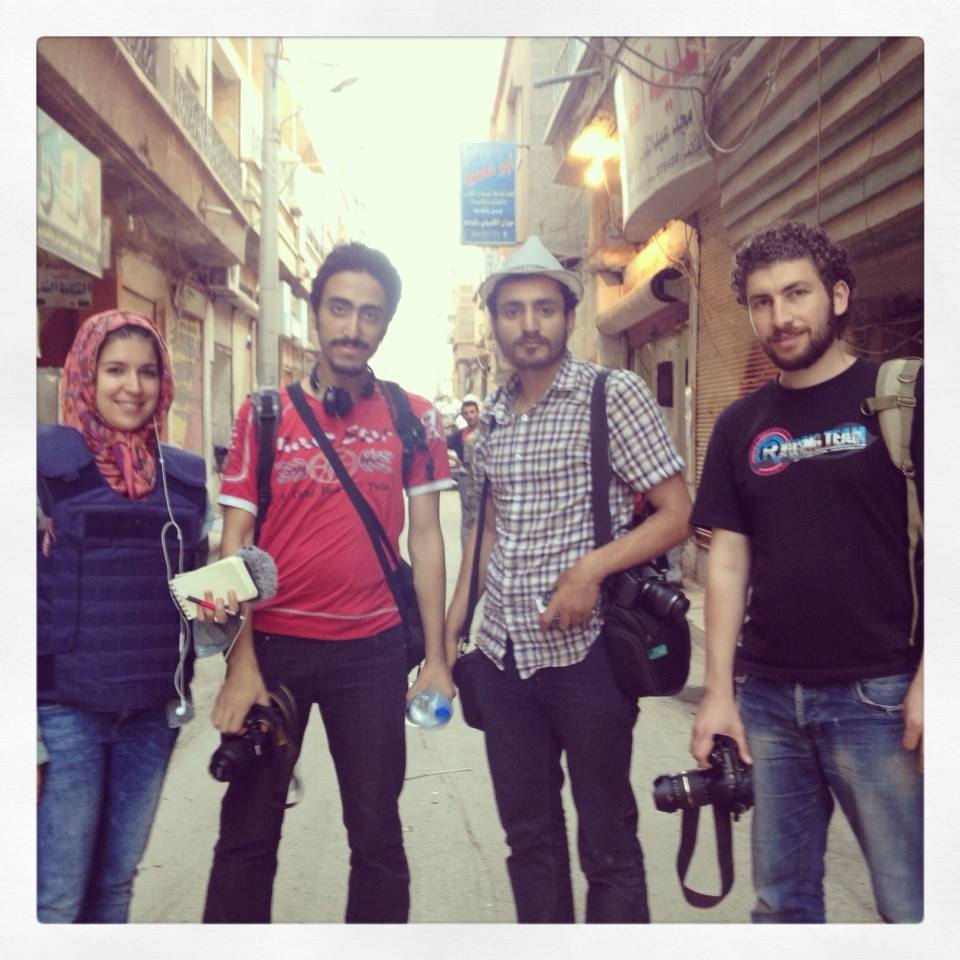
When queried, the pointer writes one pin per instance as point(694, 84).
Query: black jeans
point(578, 710)
point(360, 687)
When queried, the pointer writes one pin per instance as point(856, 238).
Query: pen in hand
point(210, 605)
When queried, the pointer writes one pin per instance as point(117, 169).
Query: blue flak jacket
point(107, 626)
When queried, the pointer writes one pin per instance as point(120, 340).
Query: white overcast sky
point(392, 138)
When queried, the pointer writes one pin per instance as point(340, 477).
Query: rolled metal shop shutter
point(729, 362)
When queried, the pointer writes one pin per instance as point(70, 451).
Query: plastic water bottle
point(429, 708)
point(209, 638)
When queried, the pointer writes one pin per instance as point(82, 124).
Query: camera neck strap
point(688, 841)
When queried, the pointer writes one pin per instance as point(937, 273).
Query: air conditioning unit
point(190, 299)
point(224, 281)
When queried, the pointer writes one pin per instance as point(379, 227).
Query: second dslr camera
point(727, 784)
point(267, 729)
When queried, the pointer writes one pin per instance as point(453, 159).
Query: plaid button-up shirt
point(539, 469)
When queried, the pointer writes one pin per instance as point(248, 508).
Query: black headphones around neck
point(338, 401)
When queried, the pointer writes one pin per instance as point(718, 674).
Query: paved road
point(453, 837)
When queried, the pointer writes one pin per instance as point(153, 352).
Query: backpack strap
point(408, 426)
point(894, 406)
point(266, 408)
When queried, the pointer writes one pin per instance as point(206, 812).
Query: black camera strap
point(688, 841)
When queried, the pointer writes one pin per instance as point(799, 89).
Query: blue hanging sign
point(488, 193)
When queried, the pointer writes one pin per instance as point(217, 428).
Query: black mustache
point(345, 342)
point(524, 341)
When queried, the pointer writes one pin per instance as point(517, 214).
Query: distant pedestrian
point(112, 659)
point(808, 599)
point(462, 444)
point(545, 686)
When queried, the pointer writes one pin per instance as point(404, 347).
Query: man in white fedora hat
point(544, 686)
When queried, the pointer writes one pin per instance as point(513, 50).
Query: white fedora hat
point(532, 258)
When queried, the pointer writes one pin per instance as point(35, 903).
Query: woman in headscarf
point(120, 515)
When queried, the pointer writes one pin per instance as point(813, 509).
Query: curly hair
point(358, 258)
point(792, 240)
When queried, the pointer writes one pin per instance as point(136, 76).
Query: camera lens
point(682, 791)
point(228, 760)
point(663, 600)
point(668, 793)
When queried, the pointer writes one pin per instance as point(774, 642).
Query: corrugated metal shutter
point(729, 363)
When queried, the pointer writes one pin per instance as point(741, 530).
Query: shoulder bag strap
point(475, 563)
point(600, 460)
point(378, 537)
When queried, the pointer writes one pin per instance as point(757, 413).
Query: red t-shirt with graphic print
point(331, 586)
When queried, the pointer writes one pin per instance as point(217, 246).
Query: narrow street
point(453, 837)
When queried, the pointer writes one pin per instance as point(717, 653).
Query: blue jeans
point(528, 723)
point(100, 792)
point(812, 744)
point(360, 687)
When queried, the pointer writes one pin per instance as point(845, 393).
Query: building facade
point(149, 180)
point(559, 215)
point(699, 142)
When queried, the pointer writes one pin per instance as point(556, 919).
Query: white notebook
point(230, 573)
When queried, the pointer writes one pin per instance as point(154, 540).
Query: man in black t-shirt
point(808, 595)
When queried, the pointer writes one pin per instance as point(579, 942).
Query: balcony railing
point(191, 114)
point(144, 51)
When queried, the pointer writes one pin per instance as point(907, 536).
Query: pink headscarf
point(125, 459)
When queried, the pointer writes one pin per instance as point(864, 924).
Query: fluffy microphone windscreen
point(263, 570)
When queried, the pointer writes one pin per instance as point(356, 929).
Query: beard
point(521, 361)
point(350, 368)
point(820, 342)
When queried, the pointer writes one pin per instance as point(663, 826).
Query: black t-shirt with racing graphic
point(807, 477)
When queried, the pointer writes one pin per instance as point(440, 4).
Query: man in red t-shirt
point(332, 634)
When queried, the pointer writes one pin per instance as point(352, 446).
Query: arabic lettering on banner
point(185, 343)
point(64, 288)
point(488, 193)
point(665, 166)
point(68, 197)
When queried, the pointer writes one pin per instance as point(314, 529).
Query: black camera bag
point(398, 573)
point(650, 655)
point(468, 664)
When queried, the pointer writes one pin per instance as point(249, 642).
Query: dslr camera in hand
point(267, 730)
point(726, 784)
